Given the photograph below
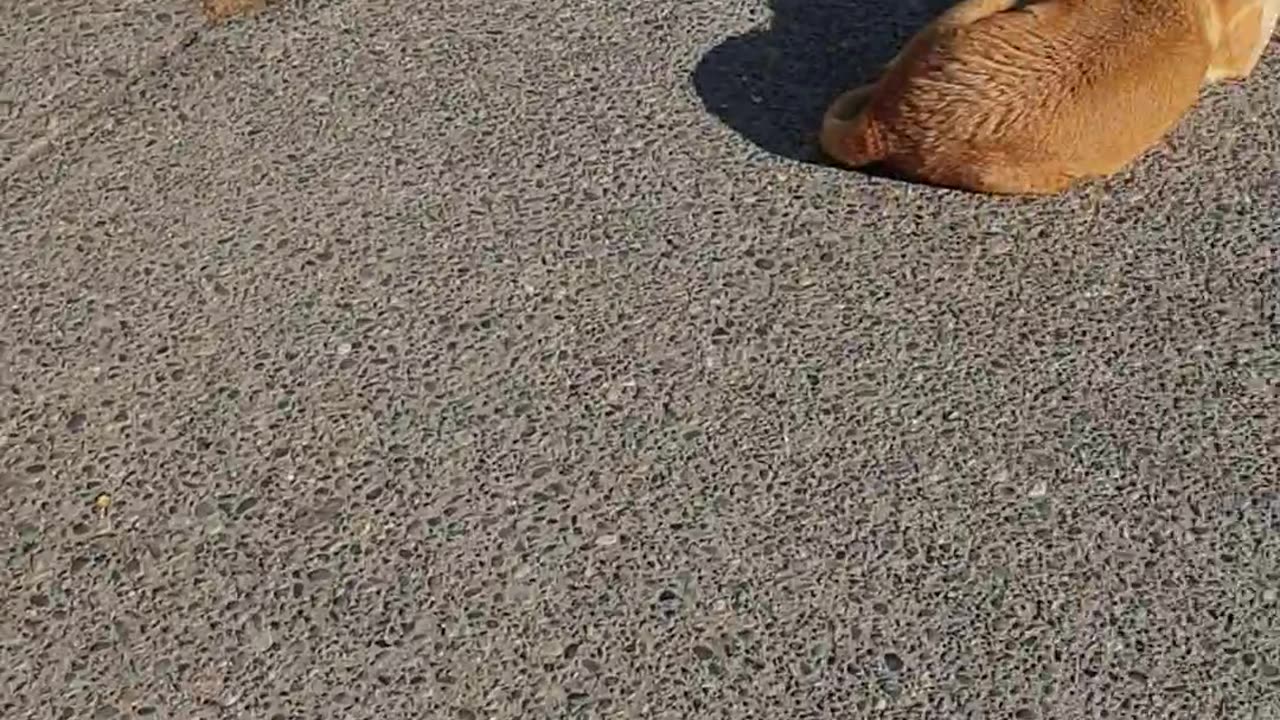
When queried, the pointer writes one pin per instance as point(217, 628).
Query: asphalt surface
point(515, 359)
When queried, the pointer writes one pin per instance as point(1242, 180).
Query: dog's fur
point(1004, 97)
point(219, 10)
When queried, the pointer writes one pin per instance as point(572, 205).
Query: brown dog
point(1001, 97)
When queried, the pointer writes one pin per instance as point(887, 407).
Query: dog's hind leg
point(969, 12)
point(1246, 29)
point(849, 134)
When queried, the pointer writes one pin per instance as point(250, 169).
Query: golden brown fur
point(219, 10)
point(1000, 98)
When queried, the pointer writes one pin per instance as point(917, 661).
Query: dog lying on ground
point(1009, 97)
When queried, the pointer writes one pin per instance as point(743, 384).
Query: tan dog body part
point(997, 98)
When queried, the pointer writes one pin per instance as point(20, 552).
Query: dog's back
point(1028, 100)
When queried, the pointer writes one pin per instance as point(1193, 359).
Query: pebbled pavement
point(517, 360)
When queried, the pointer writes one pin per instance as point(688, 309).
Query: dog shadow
point(773, 84)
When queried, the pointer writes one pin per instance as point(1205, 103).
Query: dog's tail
point(850, 133)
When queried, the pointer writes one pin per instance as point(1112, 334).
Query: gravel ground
point(516, 359)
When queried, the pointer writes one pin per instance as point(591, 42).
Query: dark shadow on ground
point(772, 84)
